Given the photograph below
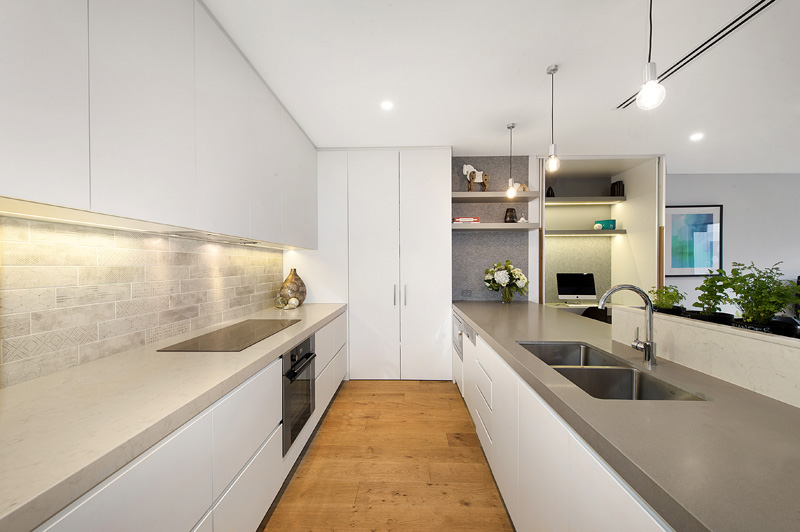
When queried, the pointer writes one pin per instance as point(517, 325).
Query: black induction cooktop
point(234, 337)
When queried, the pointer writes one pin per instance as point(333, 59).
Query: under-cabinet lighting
point(556, 202)
point(387, 105)
point(696, 136)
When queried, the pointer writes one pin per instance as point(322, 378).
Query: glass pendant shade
point(552, 164)
point(652, 94)
point(511, 192)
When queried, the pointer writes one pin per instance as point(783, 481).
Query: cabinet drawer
point(329, 340)
point(485, 413)
point(246, 503)
point(485, 355)
point(243, 420)
point(484, 383)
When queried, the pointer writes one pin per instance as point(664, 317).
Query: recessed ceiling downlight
point(387, 105)
point(696, 136)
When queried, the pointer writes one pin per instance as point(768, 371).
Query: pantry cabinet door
point(44, 101)
point(425, 263)
point(141, 66)
point(374, 256)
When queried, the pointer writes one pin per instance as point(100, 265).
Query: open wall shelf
point(584, 232)
point(493, 197)
point(495, 227)
point(583, 200)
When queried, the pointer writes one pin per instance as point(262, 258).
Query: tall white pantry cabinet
point(399, 263)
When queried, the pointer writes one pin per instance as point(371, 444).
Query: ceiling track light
point(552, 164)
point(512, 191)
point(706, 45)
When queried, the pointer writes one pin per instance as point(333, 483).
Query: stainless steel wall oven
point(298, 390)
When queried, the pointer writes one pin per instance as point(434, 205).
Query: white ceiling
point(459, 70)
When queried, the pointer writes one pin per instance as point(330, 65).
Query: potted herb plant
point(712, 295)
point(667, 299)
point(760, 294)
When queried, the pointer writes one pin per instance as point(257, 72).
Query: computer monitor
point(576, 286)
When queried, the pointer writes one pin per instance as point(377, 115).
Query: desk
point(579, 308)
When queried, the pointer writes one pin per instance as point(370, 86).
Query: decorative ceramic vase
point(293, 287)
point(511, 216)
point(507, 294)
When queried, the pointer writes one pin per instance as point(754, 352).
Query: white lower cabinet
point(549, 478)
point(328, 341)
point(167, 489)
point(543, 467)
point(458, 371)
point(564, 485)
point(243, 420)
point(244, 505)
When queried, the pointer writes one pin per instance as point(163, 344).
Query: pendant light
point(552, 164)
point(511, 192)
point(652, 92)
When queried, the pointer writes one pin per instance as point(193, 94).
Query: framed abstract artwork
point(693, 240)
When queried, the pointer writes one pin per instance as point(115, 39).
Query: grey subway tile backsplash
point(72, 294)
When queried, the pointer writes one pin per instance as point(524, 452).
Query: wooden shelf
point(584, 200)
point(495, 227)
point(493, 197)
point(584, 232)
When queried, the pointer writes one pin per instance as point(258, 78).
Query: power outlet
point(466, 293)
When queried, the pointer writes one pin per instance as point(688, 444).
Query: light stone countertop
point(62, 434)
point(729, 463)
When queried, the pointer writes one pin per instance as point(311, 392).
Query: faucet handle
point(638, 344)
point(637, 334)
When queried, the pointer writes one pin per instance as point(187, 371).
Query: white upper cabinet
point(298, 168)
point(141, 66)
point(44, 101)
point(223, 94)
point(265, 179)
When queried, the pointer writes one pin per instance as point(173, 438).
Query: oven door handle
point(297, 369)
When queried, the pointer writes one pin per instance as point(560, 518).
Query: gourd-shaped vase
point(293, 286)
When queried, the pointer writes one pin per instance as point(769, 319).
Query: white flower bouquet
point(506, 279)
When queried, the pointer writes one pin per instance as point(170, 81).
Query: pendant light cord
point(510, 148)
point(650, 41)
point(552, 106)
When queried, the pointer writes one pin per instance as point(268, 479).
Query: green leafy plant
point(667, 296)
point(507, 279)
point(713, 292)
point(760, 293)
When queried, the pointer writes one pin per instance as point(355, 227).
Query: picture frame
point(693, 240)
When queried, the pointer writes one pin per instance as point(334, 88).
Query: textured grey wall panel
point(474, 251)
point(583, 254)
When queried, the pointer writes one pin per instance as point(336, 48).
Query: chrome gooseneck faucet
point(648, 347)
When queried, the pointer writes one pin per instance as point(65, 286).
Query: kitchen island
point(730, 462)
point(63, 434)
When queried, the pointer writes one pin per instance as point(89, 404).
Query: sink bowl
point(570, 354)
point(624, 383)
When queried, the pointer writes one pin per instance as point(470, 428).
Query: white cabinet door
point(141, 66)
point(246, 503)
point(328, 341)
point(223, 90)
point(44, 101)
point(470, 377)
point(544, 487)
point(374, 299)
point(341, 364)
point(598, 501)
point(265, 152)
point(243, 420)
point(425, 263)
point(298, 167)
point(505, 434)
point(166, 489)
point(458, 371)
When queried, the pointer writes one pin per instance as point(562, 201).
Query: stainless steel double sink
point(604, 376)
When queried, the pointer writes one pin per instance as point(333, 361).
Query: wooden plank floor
point(393, 456)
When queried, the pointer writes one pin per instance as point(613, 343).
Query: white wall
point(634, 257)
point(324, 270)
point(757, 222)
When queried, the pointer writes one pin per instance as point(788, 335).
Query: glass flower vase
point(507, 294)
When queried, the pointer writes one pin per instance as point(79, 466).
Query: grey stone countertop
point(729, 463)
point(62, 434)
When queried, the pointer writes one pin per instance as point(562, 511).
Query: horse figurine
point(474, 176)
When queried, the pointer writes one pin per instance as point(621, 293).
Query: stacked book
point(466, 220)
